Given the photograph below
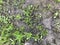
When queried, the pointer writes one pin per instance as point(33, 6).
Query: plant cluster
point(12, 35)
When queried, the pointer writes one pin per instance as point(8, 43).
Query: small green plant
point(27, 13)
point(39, 27)
point(6, 27)
point(57, 1)
point(18, 17)
point(56, 14)
point(28, 35)
point(27, 20)
point(48, 6)
point(18, 36)
point(1, 1)
point(36, 37)
point(22, 28)
point(42, 33)
point(22, 1)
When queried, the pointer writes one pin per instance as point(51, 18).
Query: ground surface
point(47, 14)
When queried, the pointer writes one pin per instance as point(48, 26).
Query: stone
point(27, 43)
point(47, 22)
